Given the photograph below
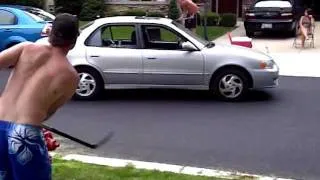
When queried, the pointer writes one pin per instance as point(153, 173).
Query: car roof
point(291, 1)
point(20, 7)
point(17, 6)
point(8, 8)
point(132, 19)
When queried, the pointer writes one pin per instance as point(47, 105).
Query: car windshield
point(190, 33)
point(39, 15)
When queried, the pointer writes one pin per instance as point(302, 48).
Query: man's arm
point(10, 56)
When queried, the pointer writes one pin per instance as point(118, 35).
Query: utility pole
point(205, 30)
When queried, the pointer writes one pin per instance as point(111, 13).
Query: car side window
point(119, 36)
point(114, 36)
point(7, 18)
point(158, 37)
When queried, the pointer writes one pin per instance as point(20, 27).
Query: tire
point(293, 33)
point(250, 33)
point(92, 84)
point(241, 79)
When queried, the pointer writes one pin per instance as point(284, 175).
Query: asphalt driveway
point(273, 43)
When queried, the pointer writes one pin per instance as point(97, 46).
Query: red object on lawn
point(51, 143)
point(240, 41)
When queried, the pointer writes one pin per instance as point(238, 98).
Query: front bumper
point(265, 78)
point(260, 25)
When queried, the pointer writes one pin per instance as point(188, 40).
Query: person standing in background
point(188, 13)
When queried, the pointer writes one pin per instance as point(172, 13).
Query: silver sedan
point(144, 52)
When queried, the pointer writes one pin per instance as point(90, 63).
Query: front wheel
point(230, 84)
point(90, 84)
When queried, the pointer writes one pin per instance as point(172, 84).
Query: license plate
point(266, 26)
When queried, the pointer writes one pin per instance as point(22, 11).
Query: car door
point(7, 24)
point(165, 62)
point(114, 48)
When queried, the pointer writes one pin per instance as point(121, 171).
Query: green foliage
point(212, 19)
point(173, 10)
point(113, 13)
point(34, 3)
point(92, 9)
point(156, 14)
point(65, 6)
point(228, 20)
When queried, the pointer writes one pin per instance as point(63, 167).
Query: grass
point(213, 32)
point(80, 171)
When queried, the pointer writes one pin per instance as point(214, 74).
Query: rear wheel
point(230, 84)
point(90, 85)
point(249, 33)
point(294, 32)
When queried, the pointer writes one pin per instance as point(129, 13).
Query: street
point(275, 132)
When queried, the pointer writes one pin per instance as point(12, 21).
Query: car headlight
point(267, 64)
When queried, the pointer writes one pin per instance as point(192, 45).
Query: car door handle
point(7, 30)
point(151, 58)
point(94, 56)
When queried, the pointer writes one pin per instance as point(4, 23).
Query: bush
point(155, 14)
point(114, 13)
point(91, 9)
point(212, 19)
point(33, 3)
point(72, 7)
point(228, 20)
point(173, 10)
point(135, 12)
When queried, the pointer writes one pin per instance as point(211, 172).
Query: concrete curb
point(188, 170)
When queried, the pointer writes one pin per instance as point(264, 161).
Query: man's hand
point(9, 57)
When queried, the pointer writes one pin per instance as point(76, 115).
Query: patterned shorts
point(23, 153)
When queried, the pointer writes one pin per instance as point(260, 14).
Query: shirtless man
point(42, 81)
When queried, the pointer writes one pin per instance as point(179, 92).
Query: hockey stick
point(87, 144)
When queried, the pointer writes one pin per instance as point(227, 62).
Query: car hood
point(237, 51)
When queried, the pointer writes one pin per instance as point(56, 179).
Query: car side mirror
point(188, 46)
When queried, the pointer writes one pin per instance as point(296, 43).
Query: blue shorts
point(23, 153)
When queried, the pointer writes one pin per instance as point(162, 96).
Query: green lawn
point(73, 170)
point(213, 32)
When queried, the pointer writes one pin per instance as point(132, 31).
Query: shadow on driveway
point(176, 95)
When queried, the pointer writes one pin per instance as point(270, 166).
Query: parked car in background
point(22, 23)
point(271, 15)
point(146, 52)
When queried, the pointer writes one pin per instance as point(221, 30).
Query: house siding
point(228, 6)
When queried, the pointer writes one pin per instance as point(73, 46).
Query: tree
point(34, 3)
point(173, 10)
point(91, 9)
point(72, 7)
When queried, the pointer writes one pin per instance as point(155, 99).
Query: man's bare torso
point(41, 81)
